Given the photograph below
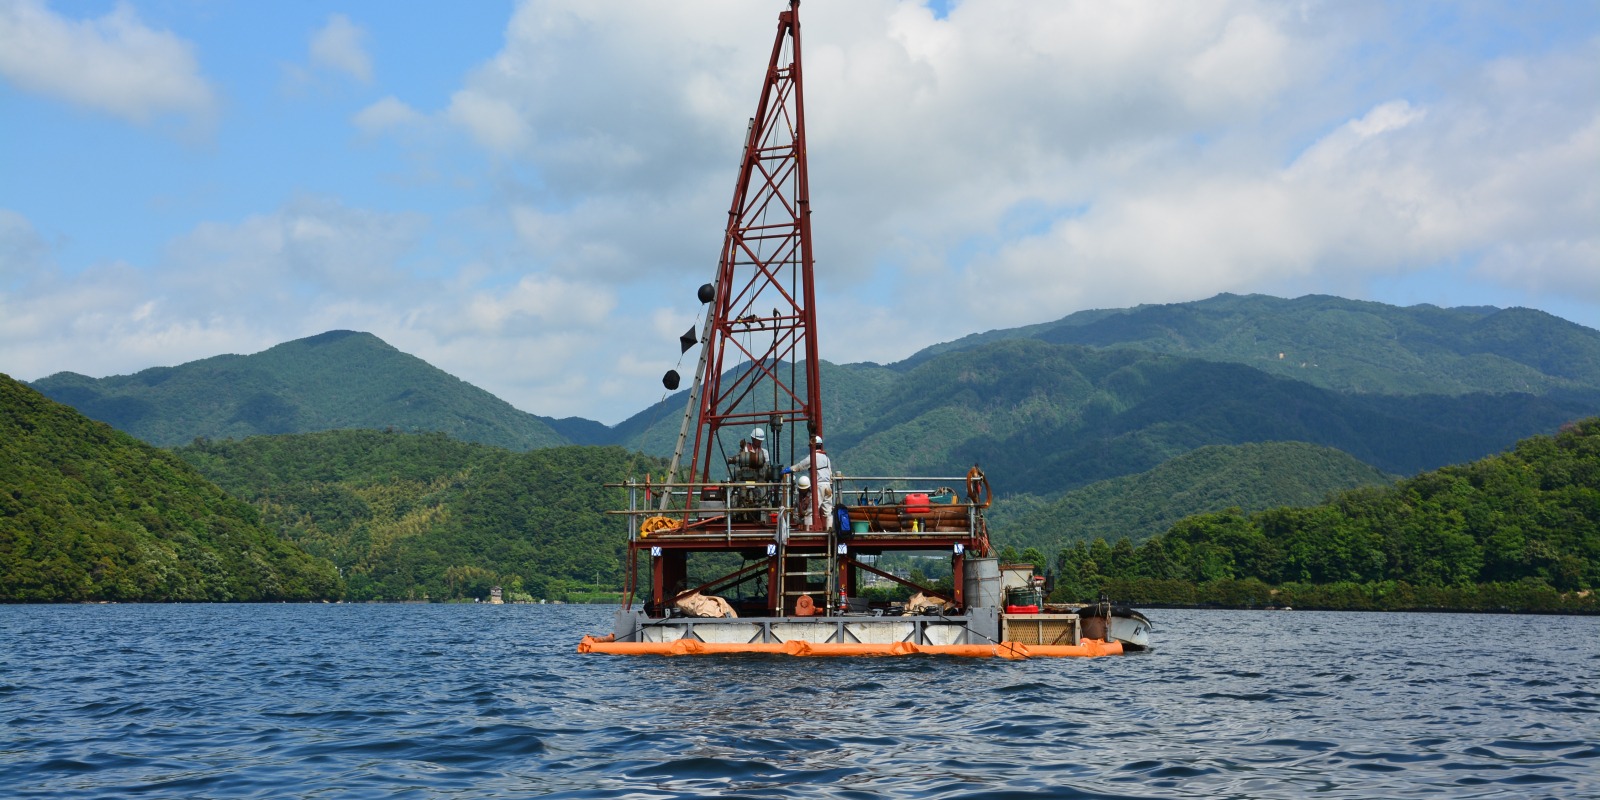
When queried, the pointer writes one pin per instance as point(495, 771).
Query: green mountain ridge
point(1103, 393)
point(1252, 477)
point(414, 483)
point(91, 513)
point(1401, 389)
point(1042, 418)
point(1346, 345)
point(338, 379)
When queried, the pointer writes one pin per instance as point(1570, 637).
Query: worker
point(751, 462)
point(802, 501)
point(823, 480)
point(758, 441)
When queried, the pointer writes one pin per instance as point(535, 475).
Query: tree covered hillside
point(1252, 477)
point(1516, 530)
point(338, 379)
point(406, 516)
point(1042, 418)
point(1344, 345)
point(90, 513)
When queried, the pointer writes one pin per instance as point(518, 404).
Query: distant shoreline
point(1567, 612)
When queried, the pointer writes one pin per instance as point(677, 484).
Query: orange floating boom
point(1086, 648)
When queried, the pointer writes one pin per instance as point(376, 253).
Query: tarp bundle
point(700, 605)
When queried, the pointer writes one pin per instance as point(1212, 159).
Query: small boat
point(1117, 623)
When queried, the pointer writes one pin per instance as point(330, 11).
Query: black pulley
point(708, 293)
point(670, 380)
point(688, 340)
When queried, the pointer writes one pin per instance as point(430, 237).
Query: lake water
point(390, 701)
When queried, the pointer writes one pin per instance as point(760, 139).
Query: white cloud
point(1499, 174)
point(1016, 161)
point(313, 265)
point(340, 46)
point(624, 238)
point(925, 134)
point(386, 114)
point(220, 288)
point(493, 122)
point(113, 64)
point(311, 247)
point(543, 303)
point(927, 131)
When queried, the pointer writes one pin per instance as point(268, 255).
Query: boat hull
point(1132, 631)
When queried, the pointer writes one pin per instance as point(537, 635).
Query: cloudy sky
point(528, 194)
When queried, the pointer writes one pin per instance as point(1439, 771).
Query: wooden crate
point(1039, 628)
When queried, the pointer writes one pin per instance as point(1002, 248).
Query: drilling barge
point(738, 522)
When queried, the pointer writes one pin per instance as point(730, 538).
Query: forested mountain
point(339, 379)
point(1049, 411)
point(1516, 530)
point(1043, 418)
point(90, 513)
point(1346, 345)
point(1252, 477)
point(406, 516)
point(1402, 389)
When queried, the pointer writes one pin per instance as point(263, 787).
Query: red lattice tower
point(760, 363)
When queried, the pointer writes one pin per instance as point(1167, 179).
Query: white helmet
point(817, 441)
point(759, 435)
point(804, 482)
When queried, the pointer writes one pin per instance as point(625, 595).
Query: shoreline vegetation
point(1396, 596)
point(89, 513)
point(1582, 605)
point(1519, 531)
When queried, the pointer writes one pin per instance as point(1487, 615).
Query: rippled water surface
point(493, 701)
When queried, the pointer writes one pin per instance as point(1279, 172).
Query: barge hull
point(975, 635)
point(1087, 648)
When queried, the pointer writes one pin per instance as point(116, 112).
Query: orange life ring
point(978, 487)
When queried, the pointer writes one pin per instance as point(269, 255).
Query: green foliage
point(1344, 345)
point(1529, 596)
point(1249, 476)
point(1044, 418)
point(1518, 531)
point(90, 513)
point(1147, 395)
point(339, 379)
point(408, 516)
point(1041, 418)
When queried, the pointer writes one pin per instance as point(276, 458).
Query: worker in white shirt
point(822, 483)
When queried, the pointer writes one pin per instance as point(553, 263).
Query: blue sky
point(527, 194)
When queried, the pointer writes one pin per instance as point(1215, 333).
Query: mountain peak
point(331, 337)
point(332, 380)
